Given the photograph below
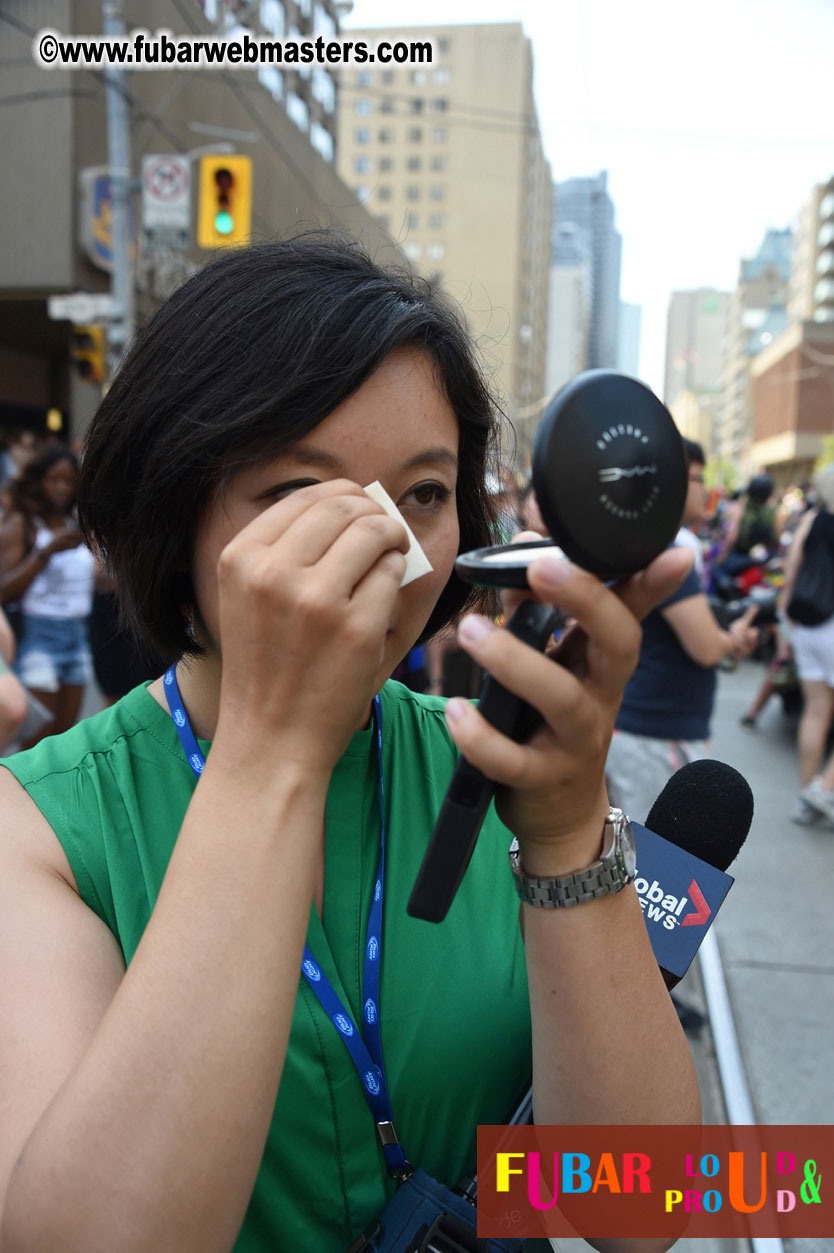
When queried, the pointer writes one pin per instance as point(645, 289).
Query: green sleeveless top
point(453, 997)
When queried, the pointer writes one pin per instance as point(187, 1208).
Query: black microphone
point(706, 808)
point(704, 814)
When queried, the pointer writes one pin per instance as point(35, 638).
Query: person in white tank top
point(47, 573)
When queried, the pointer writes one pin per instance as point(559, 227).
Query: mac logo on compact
point(613, 474)
point(638, 494)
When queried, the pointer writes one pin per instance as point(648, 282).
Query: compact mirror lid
point(609, 472)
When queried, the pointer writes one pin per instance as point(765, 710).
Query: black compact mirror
point(609, 472)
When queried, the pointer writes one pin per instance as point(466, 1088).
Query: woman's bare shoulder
point(25, 834)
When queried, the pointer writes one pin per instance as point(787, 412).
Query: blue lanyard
point(365, 1046)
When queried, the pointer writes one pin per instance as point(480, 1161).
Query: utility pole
point(121, 327)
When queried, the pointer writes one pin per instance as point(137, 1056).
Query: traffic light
point(225, 210)
point(89, 353)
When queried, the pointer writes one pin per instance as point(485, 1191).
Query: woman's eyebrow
point(432, 456)
point(436, 456)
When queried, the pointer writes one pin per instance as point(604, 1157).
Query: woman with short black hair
point(169, 1080)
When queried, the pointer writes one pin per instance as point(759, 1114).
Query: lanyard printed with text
point(364, 1047)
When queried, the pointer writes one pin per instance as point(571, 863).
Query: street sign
point(95, 219)
point(166, 199)
point(81, 307)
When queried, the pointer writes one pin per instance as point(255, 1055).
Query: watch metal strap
point(602, 878)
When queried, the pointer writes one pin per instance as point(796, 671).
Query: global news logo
point(666, 910)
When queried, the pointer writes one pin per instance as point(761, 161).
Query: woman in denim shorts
point(48, 572)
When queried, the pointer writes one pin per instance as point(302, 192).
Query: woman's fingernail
point(474, 628)
point(455, 709)
point(552, 572)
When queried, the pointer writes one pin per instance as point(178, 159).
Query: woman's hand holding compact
point(553, 791)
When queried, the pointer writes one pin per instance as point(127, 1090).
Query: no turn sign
point(166, 198)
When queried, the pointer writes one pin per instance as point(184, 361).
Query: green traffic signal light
point(225, 207)
point(224, 223)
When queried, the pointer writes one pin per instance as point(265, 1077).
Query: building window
point(273, 80)
point(298, 111)
point(322, 140)
point(323, 23)
point(363, 107)
point(362, 192)
point(386, 105)
point(826, 234)
point(441, 77)
point(414, 134)
point(384, 192)
point(362, 165)
point(412, 250)
point(412, 192)
point(438, 135)
point(414, 163)
point(412, 220)
point(418, 78)
point(435, 251)
point(440, 105)
point(825, 261)
point(416, 104)
point(362, 135)
point(272, 18)
point(387, 78)
point(436, 221)
point(439, 164)
point(385, 164)
point(384, 221)
point(437, 191)
point(443, 47)
point(364, 78)
point(385, 135)
point(324, 90)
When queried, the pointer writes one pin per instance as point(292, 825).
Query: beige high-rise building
point(449, 160)
point(696, 333)
point(696, 340)
point(811, 292)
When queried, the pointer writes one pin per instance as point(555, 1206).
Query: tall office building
point(628, 343)
point(697, 327)
point(586, 202)
point(758, 314)
point(811, 296)
point(569, 318)
point(448, 158)
point(696, 331)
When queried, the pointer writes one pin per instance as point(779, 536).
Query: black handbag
point(812, 601)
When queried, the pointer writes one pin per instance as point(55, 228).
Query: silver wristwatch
point(615, 868)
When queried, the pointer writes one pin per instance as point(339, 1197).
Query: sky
point(713, 118)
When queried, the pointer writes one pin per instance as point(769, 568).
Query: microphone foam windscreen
point(706, 808)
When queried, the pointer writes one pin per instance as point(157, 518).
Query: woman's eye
point(427, 495)
point(282, 490)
